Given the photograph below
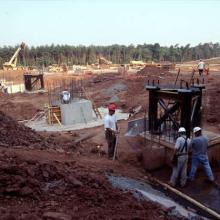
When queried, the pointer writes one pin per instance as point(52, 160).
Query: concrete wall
point(78, 111)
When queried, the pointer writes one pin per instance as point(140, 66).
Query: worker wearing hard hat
point(201, 67)
point(180, 159)
point(111, 129)
point(199, 147)
point(65, 97)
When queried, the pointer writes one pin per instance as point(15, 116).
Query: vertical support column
point(198, 110)
point(152, 113)
point(42, 81)
point(27, 82)
point(186, 109)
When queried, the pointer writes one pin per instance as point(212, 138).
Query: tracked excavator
point(12, 64)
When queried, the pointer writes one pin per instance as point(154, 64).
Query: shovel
point(116, 147)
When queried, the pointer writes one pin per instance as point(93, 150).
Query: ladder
point(95, 109)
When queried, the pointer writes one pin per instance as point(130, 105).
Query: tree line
point(119, 54)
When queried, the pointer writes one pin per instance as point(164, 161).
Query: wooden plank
point(189, 199)
point(57, 119)
point(85, 137)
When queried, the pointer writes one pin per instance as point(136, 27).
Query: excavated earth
point(41, 178)
point(33, 190)
point(14, 134)
point(48, 176)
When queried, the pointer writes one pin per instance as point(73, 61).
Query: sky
point(107, 22)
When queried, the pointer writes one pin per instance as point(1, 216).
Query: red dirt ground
point(45, 174)
point(69, 184)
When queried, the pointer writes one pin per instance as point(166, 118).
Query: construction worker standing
point(201, 67)
point(110, 124)
point(181, 158)
point(65, 97)
point(199, 147)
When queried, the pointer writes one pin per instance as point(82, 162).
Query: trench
point(155, 155)
point(148, 191)
point(205, 193)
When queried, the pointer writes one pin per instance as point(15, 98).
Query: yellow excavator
point(58, 68)
point(137, 63)
point(101, 60)
point(12, 64)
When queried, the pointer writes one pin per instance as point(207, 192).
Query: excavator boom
point(13, 61)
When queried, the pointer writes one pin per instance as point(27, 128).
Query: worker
point(207, 71)
point(181, 158)
point(199, 147)
point(65, 97)
point(111, 129)
point(201, 67)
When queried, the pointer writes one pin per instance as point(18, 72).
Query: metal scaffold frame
point(171, 108)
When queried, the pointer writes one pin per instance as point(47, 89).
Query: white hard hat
point(196, 129)
point(182, 129)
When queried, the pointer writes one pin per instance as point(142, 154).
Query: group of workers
point(198, 146)
point(183, 146)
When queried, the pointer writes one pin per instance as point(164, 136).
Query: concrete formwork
point(78, 111)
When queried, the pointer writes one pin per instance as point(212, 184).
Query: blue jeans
point(204, 161)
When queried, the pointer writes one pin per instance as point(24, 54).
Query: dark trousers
point(200, 72)
point(111, 140)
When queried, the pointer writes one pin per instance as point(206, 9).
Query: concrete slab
point(41, 125)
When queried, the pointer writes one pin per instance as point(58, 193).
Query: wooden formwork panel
point(53, 111)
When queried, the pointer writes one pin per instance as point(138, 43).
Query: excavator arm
point(13, 61)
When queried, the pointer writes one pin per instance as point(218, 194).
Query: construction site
point(53, 154)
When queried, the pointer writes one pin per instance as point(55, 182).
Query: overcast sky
point(106, 22)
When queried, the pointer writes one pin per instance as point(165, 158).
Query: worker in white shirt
point(65, 97)
point(201, 67)
point(111, 129)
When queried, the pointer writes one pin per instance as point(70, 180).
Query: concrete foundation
point(155, 152)
point(78, 111)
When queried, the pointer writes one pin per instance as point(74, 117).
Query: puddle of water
point(142, 190)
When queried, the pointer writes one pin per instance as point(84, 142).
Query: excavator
point(101, 60)
point(137, 63)
point(12, 64)
point(58, 68)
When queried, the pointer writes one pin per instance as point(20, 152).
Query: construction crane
point(101, 60)
point(12, 64)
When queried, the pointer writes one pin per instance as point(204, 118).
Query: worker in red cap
point(111, 129)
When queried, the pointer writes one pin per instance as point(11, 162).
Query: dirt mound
point(14, 134)
point(65, 191)
point(149, 70)
point(34, 180)
point(20, 111)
